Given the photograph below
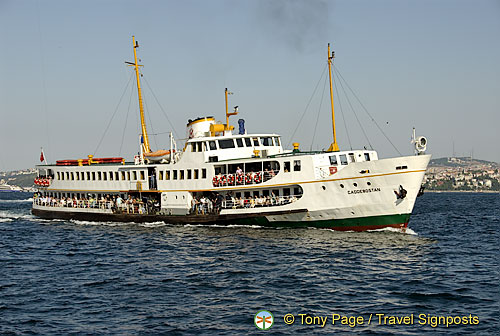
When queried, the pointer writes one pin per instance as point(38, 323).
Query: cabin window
point(248, 142)
point(367, 156)
point(296, 191)
point(204, 173)
point(193, 147)
point(351, 157)
point(333, 160)
point(195, 173)
point(239, 142)
point(212, 145)
point(99, 176)
point(275, 192)
point(105, 176)
point(256, 141)
point(160, 176)
point(226, 143)
point(123, 176)
point(247, 194)
point(82, 176)
point(343, 159)
point(296, 165)
point(175, 174)
point(117, 176)
point(93, 176)
point(142, 175)
point(276, 141)
point(286, 192)
point(200, 146)
point(267, 141)
point(286, 166)
point(128, 176)
point(77, 175)
point(189, 174)
point(88, 176)
point(167, 174)
point(58, 175)
point(134, 174)
point(265, 192)
point(255, 193)
point(111, 176)
point(67, 175)
point(181, 174)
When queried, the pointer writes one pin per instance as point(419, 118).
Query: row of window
point(182, 174)
point(201, 146)
point(133, 175)
point(343, 159)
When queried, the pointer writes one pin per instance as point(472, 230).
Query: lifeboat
point(158, 155)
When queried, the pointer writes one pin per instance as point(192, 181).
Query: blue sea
point(85, 278)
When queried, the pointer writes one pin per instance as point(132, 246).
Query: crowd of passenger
point(243, 178)
point(115, 203)
point(207, 205)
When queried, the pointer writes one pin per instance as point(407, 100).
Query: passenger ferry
point(222, 176)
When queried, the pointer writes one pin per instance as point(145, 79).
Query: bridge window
point(267, 141)
point(248, 142)
point(343, 159)
point(239, 142)
point(367, 156)
point(256, 141)
point(204, 173)
point(351, 157)
point(212, 145)
point(226, 143)
point(333, 160)
point(276, 141)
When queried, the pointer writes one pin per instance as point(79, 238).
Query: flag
point(41, 156)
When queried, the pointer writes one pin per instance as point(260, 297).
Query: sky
point(429, 64)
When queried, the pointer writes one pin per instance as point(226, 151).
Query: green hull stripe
point(345, 223)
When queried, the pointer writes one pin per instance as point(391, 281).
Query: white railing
point(135, 207)
point(267, 201)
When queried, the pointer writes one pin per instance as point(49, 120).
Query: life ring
point(230, 180)
point(257, 178)
point(223, 180)
point(239, 179)
point(36, 181)
point(215, 181)
point(248, 179)
point(46, 183)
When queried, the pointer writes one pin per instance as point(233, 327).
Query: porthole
point(369, 183)
point(355, 184)
point(341, 185)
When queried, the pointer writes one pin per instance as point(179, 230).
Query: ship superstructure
point(222, 176)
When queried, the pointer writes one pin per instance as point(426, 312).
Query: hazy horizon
point(432, 65)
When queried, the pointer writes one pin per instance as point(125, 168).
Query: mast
point(334, 147)
point(145, 138)
point(227, 128)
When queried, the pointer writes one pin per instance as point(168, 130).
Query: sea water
point(86, 278)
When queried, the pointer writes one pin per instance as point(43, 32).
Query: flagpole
point(43, 156)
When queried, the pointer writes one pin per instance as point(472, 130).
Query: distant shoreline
point(463, 191)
